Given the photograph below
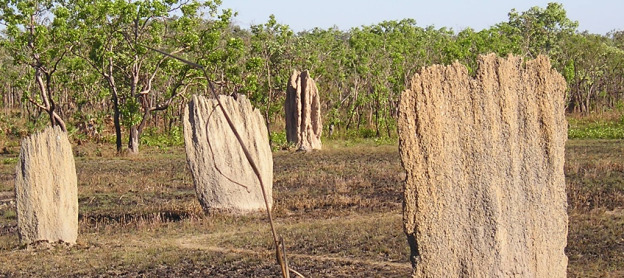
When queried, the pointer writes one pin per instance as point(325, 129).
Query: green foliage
point(601, 129)
point(154, 138)
point(38, 37)
point(540, 29)
point(10, 160)
point(116, 35)
point(279, 142)
point(366, 133)
point(105, 75)
point(591, 65)
point(130, 112)
point(270, 50)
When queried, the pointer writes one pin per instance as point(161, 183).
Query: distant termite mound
point(224, 180)
point(485, 189)
point(46, 189)
point(303, 112)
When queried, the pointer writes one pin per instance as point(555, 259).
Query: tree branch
point(93, 65)
point(153, 75)
point(56, 63)
point(40, 106)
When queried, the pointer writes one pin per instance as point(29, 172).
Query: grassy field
point(339, 211)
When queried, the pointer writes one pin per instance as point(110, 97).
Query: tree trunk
point(588, 99)
point(359, 119)
point(269, 97)
point(133, 140)
point(116, 121)
point(354, 104)
point(57, 120)
point(377, 107)
point(388, 130)
point(137, 130)
point(377, 133)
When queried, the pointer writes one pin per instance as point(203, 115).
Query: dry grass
point(595, 178)
point(339, 211)
point(595, 174)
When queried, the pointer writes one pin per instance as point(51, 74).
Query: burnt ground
point(338, 210)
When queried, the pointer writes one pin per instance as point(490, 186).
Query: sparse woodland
point(83, 65)
point(88, 68)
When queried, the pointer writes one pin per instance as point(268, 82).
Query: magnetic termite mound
point(46, 189)
point(303, 112)
point(485, 188)
point(224, 180)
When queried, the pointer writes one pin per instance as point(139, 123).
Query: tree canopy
point(85, 64)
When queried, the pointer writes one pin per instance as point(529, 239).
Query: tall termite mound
point(224, 180)
point(303, 112)
point(46, 189)
point(485, 189)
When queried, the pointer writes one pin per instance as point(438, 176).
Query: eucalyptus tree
point(271, 47)
point(88, 98)
point(11, 80)
point(325, 53)
point(383, 58)
point(113, 39)
point(222, 51)
point(467, 44)
point(593, 67)
point(616, 64)
point(539, 30)
point(38, 36)
point(364, 44)
point(403, 44)
point(377, 41)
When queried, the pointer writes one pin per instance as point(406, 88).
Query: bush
point(278, 141)
point(154, 138)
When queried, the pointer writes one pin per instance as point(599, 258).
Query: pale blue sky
point(597, 16)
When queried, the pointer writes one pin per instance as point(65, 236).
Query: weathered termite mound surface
point(485, 188)
point(224, 180)
point(303, 112)
point(46, 189)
